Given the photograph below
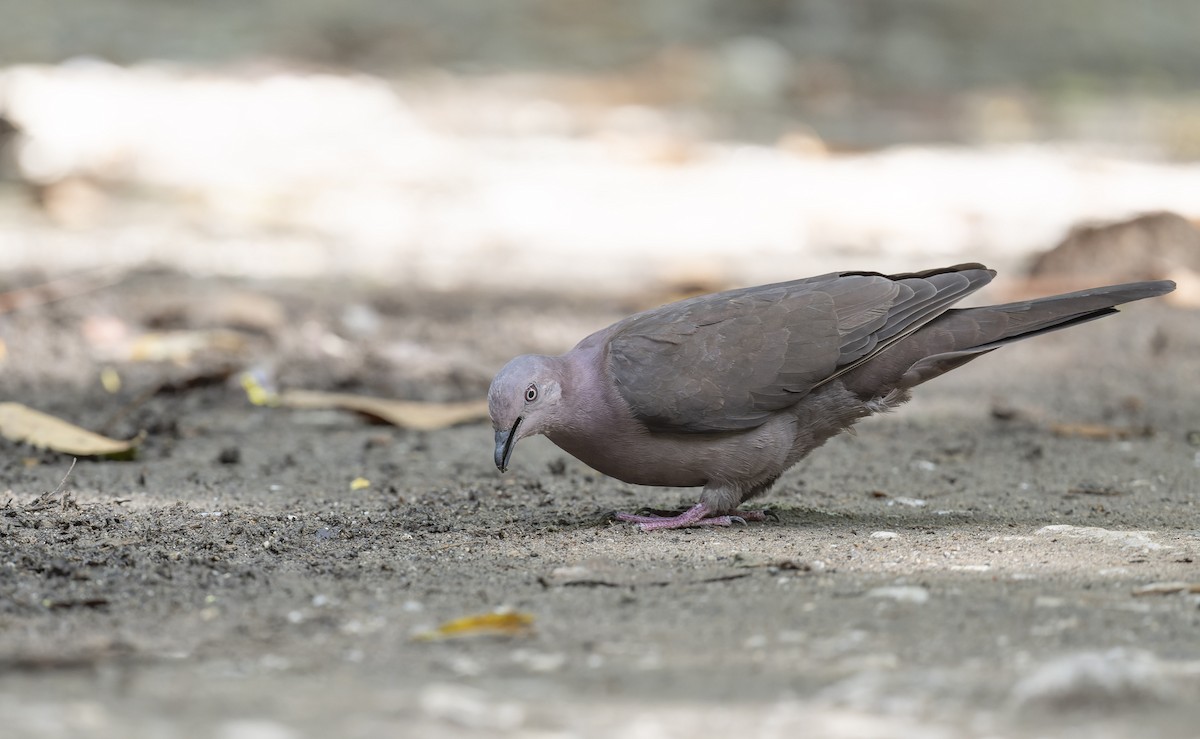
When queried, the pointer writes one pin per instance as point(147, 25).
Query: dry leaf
point(180, 346)
point(581, 575)
point(1098, 431)
point(20, 423)
point(1091, 489)
point(241, 311)
point(498, 623)
point(617, 577)
point(1167, 588)
point(403, 413)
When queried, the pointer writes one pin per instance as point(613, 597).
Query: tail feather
point(1024, 319)
point(960, 335)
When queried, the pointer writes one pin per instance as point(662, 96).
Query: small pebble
point(470, 708)
point(901, 593)
point(539, 661)
point(254, 729)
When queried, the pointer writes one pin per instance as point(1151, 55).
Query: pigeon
point(727, 391)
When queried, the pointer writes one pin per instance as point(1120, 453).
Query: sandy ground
point(956, 569)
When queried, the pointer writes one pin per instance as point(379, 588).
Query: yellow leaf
point(360, 483)
point(20, 423)
point(256, 392)
point(402, 413)
point(498, 623)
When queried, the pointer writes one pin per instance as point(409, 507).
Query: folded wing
point(727, 361)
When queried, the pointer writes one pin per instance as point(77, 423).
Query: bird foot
point(697, 515)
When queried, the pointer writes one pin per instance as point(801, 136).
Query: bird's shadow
point(805, 517)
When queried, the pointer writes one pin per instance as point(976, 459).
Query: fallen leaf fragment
point(752, 560)
point(23, 424)
point(581, 575)
point(1167, 588)
point(236, 310)
point(1098, 431)
point(180, 346)
point(497, 623)
point(403, 413)
point(1090, 489)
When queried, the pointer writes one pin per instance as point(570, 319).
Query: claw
point(697, 515)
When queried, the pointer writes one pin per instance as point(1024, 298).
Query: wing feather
point(727, 361)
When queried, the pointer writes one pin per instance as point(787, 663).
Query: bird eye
point(531, 393)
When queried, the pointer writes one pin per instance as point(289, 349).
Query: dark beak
point(505, 440)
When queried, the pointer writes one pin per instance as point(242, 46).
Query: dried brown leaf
point(1167, 588)
point(180, 346)
point(23, 424)
point(1098, 431)
point(402, 413)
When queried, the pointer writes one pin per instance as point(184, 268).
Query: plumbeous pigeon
point(726, 391)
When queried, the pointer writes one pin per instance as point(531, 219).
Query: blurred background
point(209, 210)
point(587, 144)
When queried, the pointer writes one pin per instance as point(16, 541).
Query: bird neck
point(583, 400)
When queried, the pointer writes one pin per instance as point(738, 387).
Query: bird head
point(523, 401)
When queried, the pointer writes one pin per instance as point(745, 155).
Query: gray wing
point(725, 362)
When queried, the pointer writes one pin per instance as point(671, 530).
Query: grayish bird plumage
point(728, 390)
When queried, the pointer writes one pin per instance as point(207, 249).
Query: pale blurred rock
point(470, 708)
point(914, 594)
point(236, 310)
point(754, 67)
point(1116, 678)
point(73, 202)
point(254, 729)
point(1131, 539)
point(1153, 246)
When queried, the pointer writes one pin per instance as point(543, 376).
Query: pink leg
point(697, 515)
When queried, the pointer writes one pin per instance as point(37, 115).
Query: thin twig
point(62, 484)
point(60, 289)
